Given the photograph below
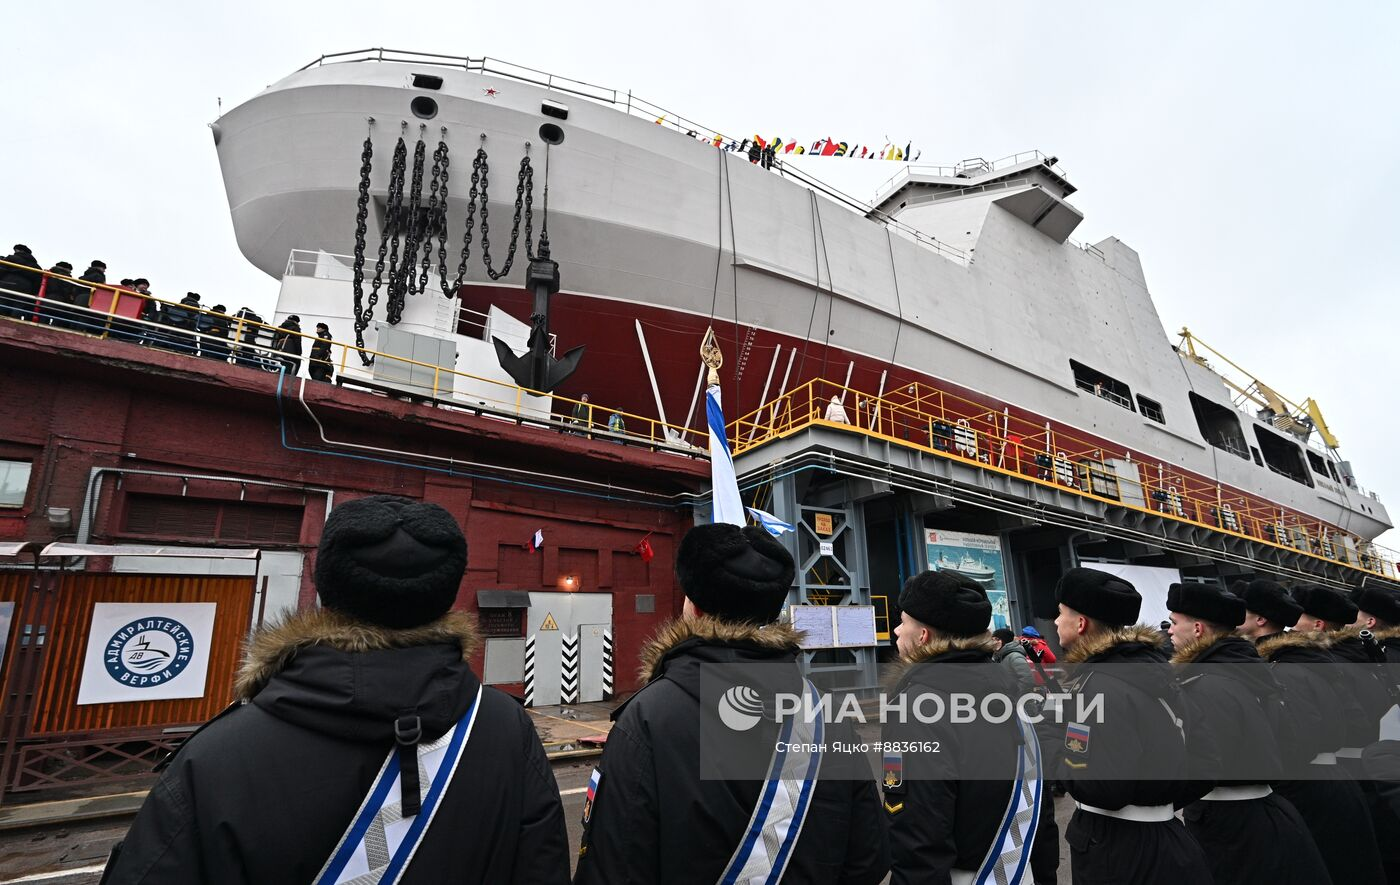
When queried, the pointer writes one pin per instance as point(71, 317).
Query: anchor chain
point(409, 219)
point(402, 281)
point(524, 194)
point(362, 316)
point(393, 216)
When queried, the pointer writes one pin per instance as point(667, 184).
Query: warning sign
point(549, 622)
point(822, 523)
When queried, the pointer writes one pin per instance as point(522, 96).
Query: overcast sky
point(1246, 151)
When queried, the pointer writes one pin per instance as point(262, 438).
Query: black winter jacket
point(1135, 753)
point(1363, 677)
point(21, 280)
point(1324, 714)
point(263, 793)
point(287, 338)
point(654, 820)
point(62, 291)
point(1235, 710)
point(1234, 703)
point(944, 808)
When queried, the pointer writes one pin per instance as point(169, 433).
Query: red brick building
point(128, 444)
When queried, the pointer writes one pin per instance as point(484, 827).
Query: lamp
point(60, 517)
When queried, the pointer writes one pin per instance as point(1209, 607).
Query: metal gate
point(49, 740)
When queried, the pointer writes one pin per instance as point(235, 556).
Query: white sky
point(1241, 149)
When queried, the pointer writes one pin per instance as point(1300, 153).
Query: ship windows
point(1319, 465)
point(14, 482)
point(1152, 409)
point(426, 81)
point(1101, 385)
point(1282, 456)
point(1219, 426)
point(423, 107)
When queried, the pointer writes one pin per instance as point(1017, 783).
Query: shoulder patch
point(1077, 738)
point(893, 778)
point(591, 794)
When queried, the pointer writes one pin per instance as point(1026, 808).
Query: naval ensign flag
point(728, 507)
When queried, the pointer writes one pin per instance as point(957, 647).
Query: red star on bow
point(490, 93)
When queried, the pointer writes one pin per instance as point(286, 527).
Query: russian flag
point(536, 541)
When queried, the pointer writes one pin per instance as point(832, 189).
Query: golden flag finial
point(711, 356)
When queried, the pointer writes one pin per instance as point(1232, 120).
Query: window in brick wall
point(196, 519)
point(518, 567)
point(14, 482)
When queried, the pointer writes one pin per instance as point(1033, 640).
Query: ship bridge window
point(1102, 385)
point(1219, 426)
point(1282, 456)
point(1319, 465)
point(1152, 409)
point(426, 81)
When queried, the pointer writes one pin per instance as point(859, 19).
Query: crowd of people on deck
point(86, 304)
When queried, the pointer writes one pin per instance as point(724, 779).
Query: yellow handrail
point(945, 424)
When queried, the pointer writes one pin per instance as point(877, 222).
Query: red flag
point(759, 140)
point(643, 549)
point(829, 149)
point(787, 148)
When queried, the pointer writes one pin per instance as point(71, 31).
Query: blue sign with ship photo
point(973, 556)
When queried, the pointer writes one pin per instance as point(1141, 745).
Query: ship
point(981, 357)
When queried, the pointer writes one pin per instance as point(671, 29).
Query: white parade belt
point(1349, 753)
point(1237, 794)
point(1324, 759)
point(963, 877)
point(1143, 814)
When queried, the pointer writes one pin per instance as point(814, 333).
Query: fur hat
point(1206, 603)
point(1268, 599)
point(734, 574)
point(948, 602)
point(1381, 603)
point(100, 265)
point(65, 265)
point(20, 247)
point(390, 561)
point(1099, 595)
point(1325, 604)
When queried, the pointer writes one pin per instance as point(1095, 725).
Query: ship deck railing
point(968, 169)
point(933, 421)
point(636, 106)
point(248, 344)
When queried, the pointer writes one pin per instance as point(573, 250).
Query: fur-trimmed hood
point(1217, 648)
point(1125, 639)
point(772, 640)
point(982, 642)
point(1294, 647)
point(326, 672)
point(268, 651)
point(1386, 634)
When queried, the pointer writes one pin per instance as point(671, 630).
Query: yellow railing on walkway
point(923, 417)
point(249, 343)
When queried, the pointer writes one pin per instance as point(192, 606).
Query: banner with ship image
point(146, 651)
point(974, 556)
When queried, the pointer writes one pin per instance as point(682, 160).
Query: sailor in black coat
point(1126, 768)
point(1328, 799)
point(263, 794)
point(946, 806)
point(653, 818)
point(16, 282)
point(1250, 834)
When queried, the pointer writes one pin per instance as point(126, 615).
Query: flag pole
point(727, 504)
